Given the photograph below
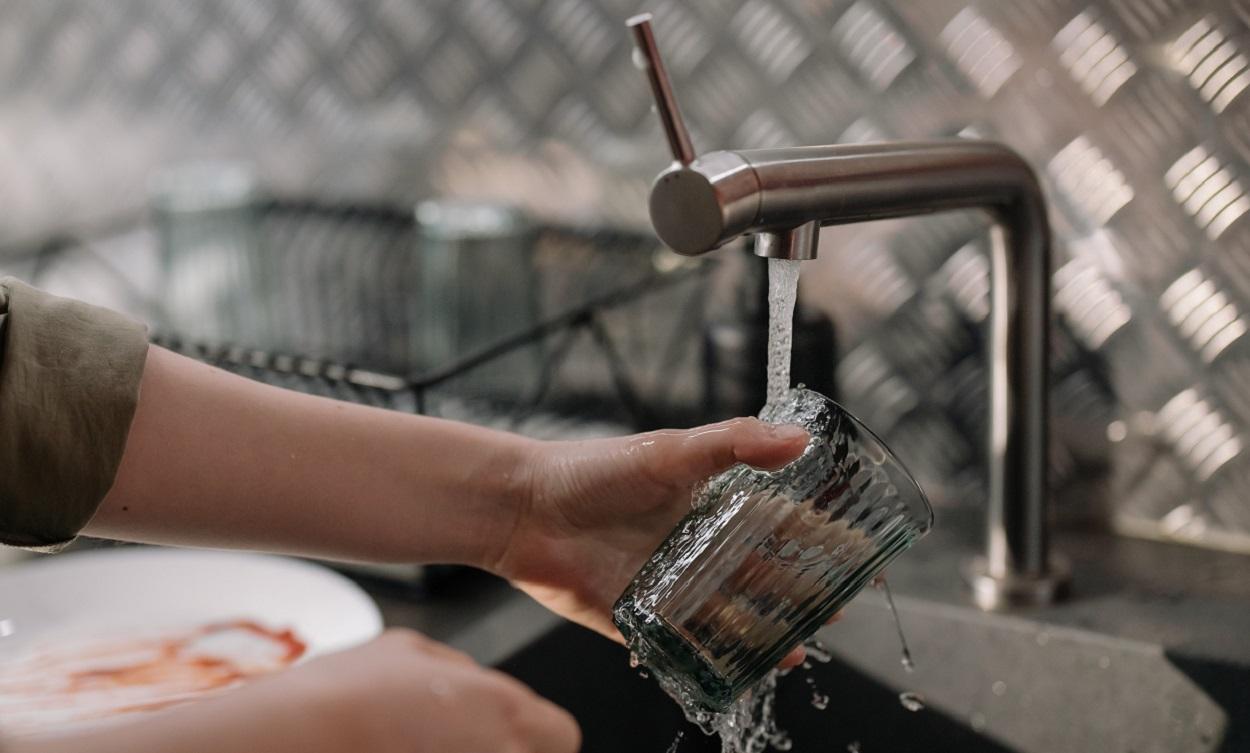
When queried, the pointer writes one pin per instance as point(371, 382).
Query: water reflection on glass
point(765, 558)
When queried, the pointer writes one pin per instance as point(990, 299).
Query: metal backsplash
point(1134, 112)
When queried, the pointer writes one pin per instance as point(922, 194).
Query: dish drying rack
point(616, 335)
point(433, 392)
point(614, 348)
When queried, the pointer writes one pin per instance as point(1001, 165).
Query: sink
point(620, 710)
point(1151, 653)
point(990, 683)
point(1032, 686)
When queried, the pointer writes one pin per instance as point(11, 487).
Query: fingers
point(796, 657)
point(528, 720)
point(547, 727)
point(798, 654)
point(769, 446)
point(412, 640)
point(684, 457)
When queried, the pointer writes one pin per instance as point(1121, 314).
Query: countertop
point(1193, 603)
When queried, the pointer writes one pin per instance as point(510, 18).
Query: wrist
point(511, 484)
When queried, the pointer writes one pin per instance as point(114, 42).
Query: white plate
point(67, 600)
point(95, 593)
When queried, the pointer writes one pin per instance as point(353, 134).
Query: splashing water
point(783, 283)
point(676, 741)
point(816, 651)
point(911, 701)
point(750, 725)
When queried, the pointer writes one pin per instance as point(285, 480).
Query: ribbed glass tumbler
point(765, 558)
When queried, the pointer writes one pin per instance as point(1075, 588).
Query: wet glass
point(767, 557)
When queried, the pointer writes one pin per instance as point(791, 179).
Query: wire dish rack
point(319, 297)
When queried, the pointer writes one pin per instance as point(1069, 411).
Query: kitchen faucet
point(784, 196)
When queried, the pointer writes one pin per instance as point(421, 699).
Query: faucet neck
point(785, 195)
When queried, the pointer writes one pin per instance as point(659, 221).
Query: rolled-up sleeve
point(69, 382)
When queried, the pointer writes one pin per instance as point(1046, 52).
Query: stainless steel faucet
point(784, 197)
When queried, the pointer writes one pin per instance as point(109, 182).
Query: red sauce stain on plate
point(61, 685)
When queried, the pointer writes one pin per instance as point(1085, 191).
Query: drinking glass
point(208, 220)
point(476, 286)
point(767, 557)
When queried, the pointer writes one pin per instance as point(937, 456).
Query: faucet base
point(996, 593)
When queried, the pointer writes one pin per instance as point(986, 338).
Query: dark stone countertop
point(1193, 603)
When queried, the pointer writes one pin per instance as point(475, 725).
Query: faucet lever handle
point(647, 58)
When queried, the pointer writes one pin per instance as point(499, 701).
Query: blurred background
point(440, 206)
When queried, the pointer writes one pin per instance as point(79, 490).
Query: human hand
point(598, 509)
point(401, 693)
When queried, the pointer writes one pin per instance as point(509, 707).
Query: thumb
point(684, 457)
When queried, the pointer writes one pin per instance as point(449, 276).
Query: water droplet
point(639, 60)
point(701, 493)
point(1117, 431)
point(852, 747)
point(807, 665)
point(634, 661)
point(7, 628)
point(676, 741)
point(816, 651)
point(1104, 662)
point(820, 700)
point(911, 701)
point(906, 661)
point(977, 720)
point(999, 688)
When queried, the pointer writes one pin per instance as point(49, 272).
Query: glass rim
point(890, 454)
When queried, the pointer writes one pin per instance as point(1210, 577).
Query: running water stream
point(906, 660)
point(750, 726)
point(783, 285)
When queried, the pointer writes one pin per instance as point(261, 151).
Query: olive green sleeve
point(69, 382)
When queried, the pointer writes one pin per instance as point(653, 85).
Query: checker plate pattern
point(1136, 114)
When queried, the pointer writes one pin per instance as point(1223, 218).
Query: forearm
point(214, 459)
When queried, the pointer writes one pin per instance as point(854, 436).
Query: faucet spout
point(798, 244)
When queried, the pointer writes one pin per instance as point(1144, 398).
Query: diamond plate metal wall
point(1135, 113)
